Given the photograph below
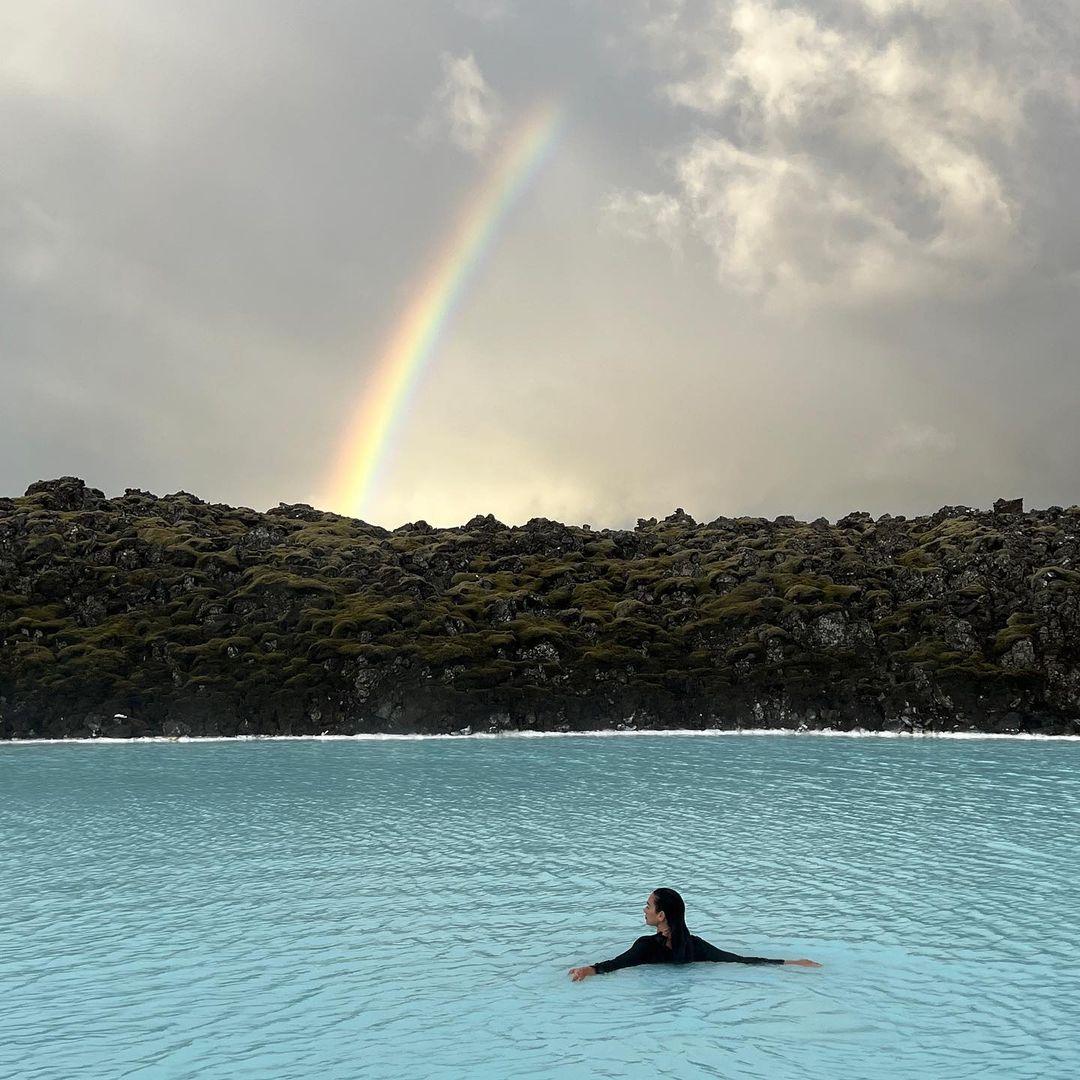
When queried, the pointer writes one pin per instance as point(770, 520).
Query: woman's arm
point(704, 951)
point(636, 954)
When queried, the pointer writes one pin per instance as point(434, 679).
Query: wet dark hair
point(671, 904)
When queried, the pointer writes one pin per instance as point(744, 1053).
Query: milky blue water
point(380, 909)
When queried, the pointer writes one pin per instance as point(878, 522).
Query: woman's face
point(652, 915)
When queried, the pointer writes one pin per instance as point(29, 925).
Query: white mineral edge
point(376, 737)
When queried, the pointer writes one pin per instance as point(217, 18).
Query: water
point(378, 909)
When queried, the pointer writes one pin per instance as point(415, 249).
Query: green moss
point(43, 612)
point(916, 558)
point(179, 633)
point(463, 649)
point(633, 631)
point(30, 655)
point(530, 633)
point(236, 641)
point(218, 560)
point(693, 586)
point(1055, 577)
point(84, 657)
point(594, 617)
point(1006, 638)
point(750, 590)
point(934, 652)
point(493, 673)
point(322, 650)
point(611, 655)
point(744, 651)
point(300, 680)
point(327, 530)
point(970, 668)
point(262, 578)
point(839, 594)
point(46, 626)
point(159, 534)
point(645, 577)
point(746, 601)
point(600, 549)
point(210, 681)
point(595, 595)
point(557, 598)
point(44, 544)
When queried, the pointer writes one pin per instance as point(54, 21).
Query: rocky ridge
point(145, 615)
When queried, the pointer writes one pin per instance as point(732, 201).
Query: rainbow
point(365, 447)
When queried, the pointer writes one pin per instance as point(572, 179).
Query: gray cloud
point(906, 443)
point(212, 219)
point(485, 10)
point(859, 159)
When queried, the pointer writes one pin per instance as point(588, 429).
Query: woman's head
point(665, 910)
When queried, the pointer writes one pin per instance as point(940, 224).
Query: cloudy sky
point(798, 258)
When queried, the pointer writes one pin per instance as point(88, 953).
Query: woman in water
point(672, 943)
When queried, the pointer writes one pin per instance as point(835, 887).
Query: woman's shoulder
point(700, 946)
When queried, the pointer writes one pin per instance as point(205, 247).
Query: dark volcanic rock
point(296, 511)
point(66, 493)
point(142, 615)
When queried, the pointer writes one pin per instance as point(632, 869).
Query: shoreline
point(832, 733)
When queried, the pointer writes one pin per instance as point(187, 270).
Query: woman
point(672, 943)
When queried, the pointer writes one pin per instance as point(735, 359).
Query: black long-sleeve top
point(651, 949)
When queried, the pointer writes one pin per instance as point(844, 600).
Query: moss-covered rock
point(192, 617)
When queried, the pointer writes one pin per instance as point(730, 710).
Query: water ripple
point(386, 909)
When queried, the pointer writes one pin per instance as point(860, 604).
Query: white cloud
point(645, 217)
point(466, 107)
point(855, 160)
